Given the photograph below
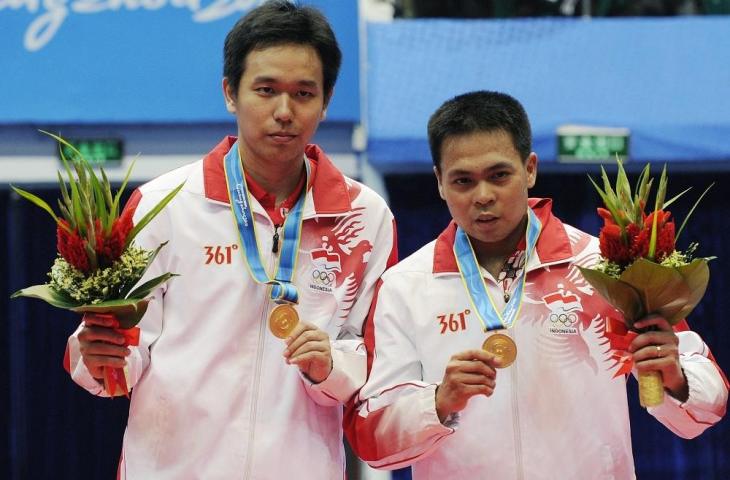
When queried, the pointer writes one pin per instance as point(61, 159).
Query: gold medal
point(282, 320)
point(502, 347)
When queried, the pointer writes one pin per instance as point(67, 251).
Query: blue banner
point(84, 61)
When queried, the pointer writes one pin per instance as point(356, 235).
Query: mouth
point(282, 137)
point(486, 219)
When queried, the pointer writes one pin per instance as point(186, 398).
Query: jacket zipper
point(257, 378)
point(516, 423)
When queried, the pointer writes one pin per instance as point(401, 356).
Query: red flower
point(665, 234)
point(71, 246)
point(612, 246)
point(110, 248)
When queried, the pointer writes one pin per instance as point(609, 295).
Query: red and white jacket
point(212, 395)
point(557, 412)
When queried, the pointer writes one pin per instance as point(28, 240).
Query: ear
point(438, 180)
point(531, 167)
point(229, 96)
point(326, 105)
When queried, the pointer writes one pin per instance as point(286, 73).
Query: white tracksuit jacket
point(212, 395)
point(556, 413)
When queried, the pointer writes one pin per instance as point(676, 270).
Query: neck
point(492, 256)
point(279, 180)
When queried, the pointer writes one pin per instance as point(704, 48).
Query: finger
point(95, 362)
point(464, 379)
point(472, 366)
point(653, 321)
point(313, 358)
point(653, 364)
point(306, 336)
point(100, 319)
point(316, 346)
point(666, 340)
point(474, 390)
point(477, 354)
point(103, 349)
point(101, 334)
point(653, 352)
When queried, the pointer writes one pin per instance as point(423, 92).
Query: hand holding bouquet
point(641, 272)
point(98, 265)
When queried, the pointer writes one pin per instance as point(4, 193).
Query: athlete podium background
point(151, 76)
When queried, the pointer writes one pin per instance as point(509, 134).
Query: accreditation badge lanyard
point(282, 290)
point(482, 302)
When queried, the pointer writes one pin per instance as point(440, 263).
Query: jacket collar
point(552, 246)
point(328, 188)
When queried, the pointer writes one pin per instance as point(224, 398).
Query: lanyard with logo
point(482, 302)
point(282, 290)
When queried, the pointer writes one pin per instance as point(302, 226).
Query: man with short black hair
point(269, 240)
point(500, 288)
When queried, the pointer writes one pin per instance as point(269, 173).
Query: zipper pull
point(275, 245)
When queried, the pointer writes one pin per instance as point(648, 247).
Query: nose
point(283, 111)
point(483, 194)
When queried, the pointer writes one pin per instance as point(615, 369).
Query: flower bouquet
point(98, 265)
point(640, 271)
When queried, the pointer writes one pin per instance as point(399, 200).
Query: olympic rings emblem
point(325, 278)
point(567, 319)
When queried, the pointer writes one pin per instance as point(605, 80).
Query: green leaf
point(676, 237)
point(674, 198)
point(117, 198)
point(609, 204)
point(151, 258)
point(696, 275)
point(622, 296)
point(151, 214)
point(63, 141)
point(665, 290)
point(36, 200)
point(147, 287)
point(47, 294)
point(128, 311)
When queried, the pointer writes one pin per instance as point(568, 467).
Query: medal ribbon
point(482, 302)
point(282, 289)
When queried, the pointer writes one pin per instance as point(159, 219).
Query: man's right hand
point(100, 345)
point(468, 373)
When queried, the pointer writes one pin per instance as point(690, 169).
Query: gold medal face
point(282, 320)
point(502, 347)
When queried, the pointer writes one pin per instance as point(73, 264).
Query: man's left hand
point(308, 347)
point(658, 350)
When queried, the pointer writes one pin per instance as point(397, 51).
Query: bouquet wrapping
point(641, 272)
point(98, 266)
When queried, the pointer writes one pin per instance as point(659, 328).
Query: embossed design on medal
point(282, 320)
point(502, 347)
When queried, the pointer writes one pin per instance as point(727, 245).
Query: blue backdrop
point(84, 61)
point(667, 79)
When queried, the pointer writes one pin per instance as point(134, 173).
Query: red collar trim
point(329, 188)
point(553, 244)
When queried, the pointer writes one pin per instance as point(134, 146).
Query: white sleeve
point(396, 422)
point(708, 391)
point(349, 356)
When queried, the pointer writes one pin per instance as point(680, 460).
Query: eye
point(461, 181)
point(265, 90)
point(500, 175)
point(305, 94)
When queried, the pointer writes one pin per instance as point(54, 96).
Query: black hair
point(280, 22)
point(480, 111)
